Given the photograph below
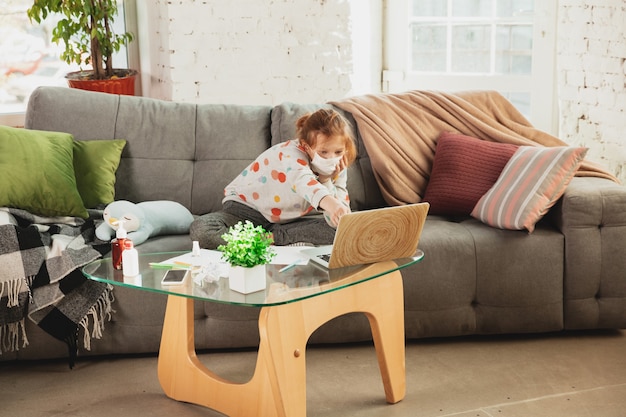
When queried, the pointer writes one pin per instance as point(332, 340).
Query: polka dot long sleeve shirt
point(281, 186)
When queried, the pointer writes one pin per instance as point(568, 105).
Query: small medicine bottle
point(196, 266)
point(130, 259)
point(117, 245)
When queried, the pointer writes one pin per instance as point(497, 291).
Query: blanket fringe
point(13, 288)
point(10, 336)
point(12, 333)
point(97, 315)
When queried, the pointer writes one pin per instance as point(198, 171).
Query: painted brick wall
point(251, 51)
point(592, 79)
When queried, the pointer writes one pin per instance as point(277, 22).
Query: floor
point(573, 374)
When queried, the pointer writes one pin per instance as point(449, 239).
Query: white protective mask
point(324, 166)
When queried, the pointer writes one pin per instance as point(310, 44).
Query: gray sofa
point(569, 274)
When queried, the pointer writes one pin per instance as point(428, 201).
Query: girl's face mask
point(324, 166)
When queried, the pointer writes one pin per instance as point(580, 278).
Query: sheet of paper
point(212, 266)
point(288, 255)
point(285, 255)
point(206, 257)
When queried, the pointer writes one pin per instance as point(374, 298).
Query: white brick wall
point(592, 79)
point(252, 51)
point(311, 51)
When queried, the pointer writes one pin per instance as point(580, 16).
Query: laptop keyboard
point(325, 257)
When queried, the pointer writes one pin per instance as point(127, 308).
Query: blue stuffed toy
point(144, 220)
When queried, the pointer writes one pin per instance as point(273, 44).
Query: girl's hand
point(343, 163)
point(334, 208)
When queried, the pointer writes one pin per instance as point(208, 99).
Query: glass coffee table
point(294, 304)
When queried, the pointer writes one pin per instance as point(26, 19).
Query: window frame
point(540, 84)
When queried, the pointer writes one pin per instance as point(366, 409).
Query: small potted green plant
point(247, 250)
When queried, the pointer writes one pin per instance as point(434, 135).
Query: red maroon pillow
point(464, 169)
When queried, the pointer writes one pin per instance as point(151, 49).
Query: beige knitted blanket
point(400, 133)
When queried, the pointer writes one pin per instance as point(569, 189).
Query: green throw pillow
point(95, 164)
point(37, 172)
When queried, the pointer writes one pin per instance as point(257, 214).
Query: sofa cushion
point(95, 165)
point(37, 173)
point(530, 183)
point(228, 138)
point(484, 281)
point(463, 170)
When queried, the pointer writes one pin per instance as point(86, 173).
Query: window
point(454, 45)
point(28, 58)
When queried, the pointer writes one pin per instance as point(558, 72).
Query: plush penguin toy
point(144, 220)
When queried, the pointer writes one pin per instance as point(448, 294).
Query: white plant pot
point(247, 280)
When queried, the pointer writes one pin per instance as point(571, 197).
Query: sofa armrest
point(592, 217)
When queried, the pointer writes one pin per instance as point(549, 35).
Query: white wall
point(306, 51)
point(259, 52)
point(592, 79)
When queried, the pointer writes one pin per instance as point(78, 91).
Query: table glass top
point(283, 285)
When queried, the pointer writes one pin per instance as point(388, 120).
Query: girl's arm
point(337, 203)
point(338, 187)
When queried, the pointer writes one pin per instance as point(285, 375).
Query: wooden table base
point(278, 386)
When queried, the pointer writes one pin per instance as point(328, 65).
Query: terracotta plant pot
point(122, 83)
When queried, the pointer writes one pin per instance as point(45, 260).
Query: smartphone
point(174, 276)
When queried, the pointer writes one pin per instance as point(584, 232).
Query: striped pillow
point(530, 183)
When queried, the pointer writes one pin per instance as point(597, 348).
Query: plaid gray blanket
point(40, 278)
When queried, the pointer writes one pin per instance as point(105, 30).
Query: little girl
point(286, 183)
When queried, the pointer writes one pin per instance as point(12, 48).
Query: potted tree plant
point(247, 250)
point(87, 32)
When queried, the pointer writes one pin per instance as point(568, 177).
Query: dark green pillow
point(95, 164)
point(37, 172)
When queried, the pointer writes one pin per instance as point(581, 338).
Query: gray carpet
point(577, 374)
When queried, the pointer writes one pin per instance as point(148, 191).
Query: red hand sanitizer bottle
point(117, 245)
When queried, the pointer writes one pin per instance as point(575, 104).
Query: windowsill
point(14, 119)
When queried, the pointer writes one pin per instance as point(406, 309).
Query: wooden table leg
point(387, 322)
point(278, 386)
point(184, 378)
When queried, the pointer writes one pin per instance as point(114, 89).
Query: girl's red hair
point(329, 123)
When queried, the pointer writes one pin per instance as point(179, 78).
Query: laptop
point(369, 236)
